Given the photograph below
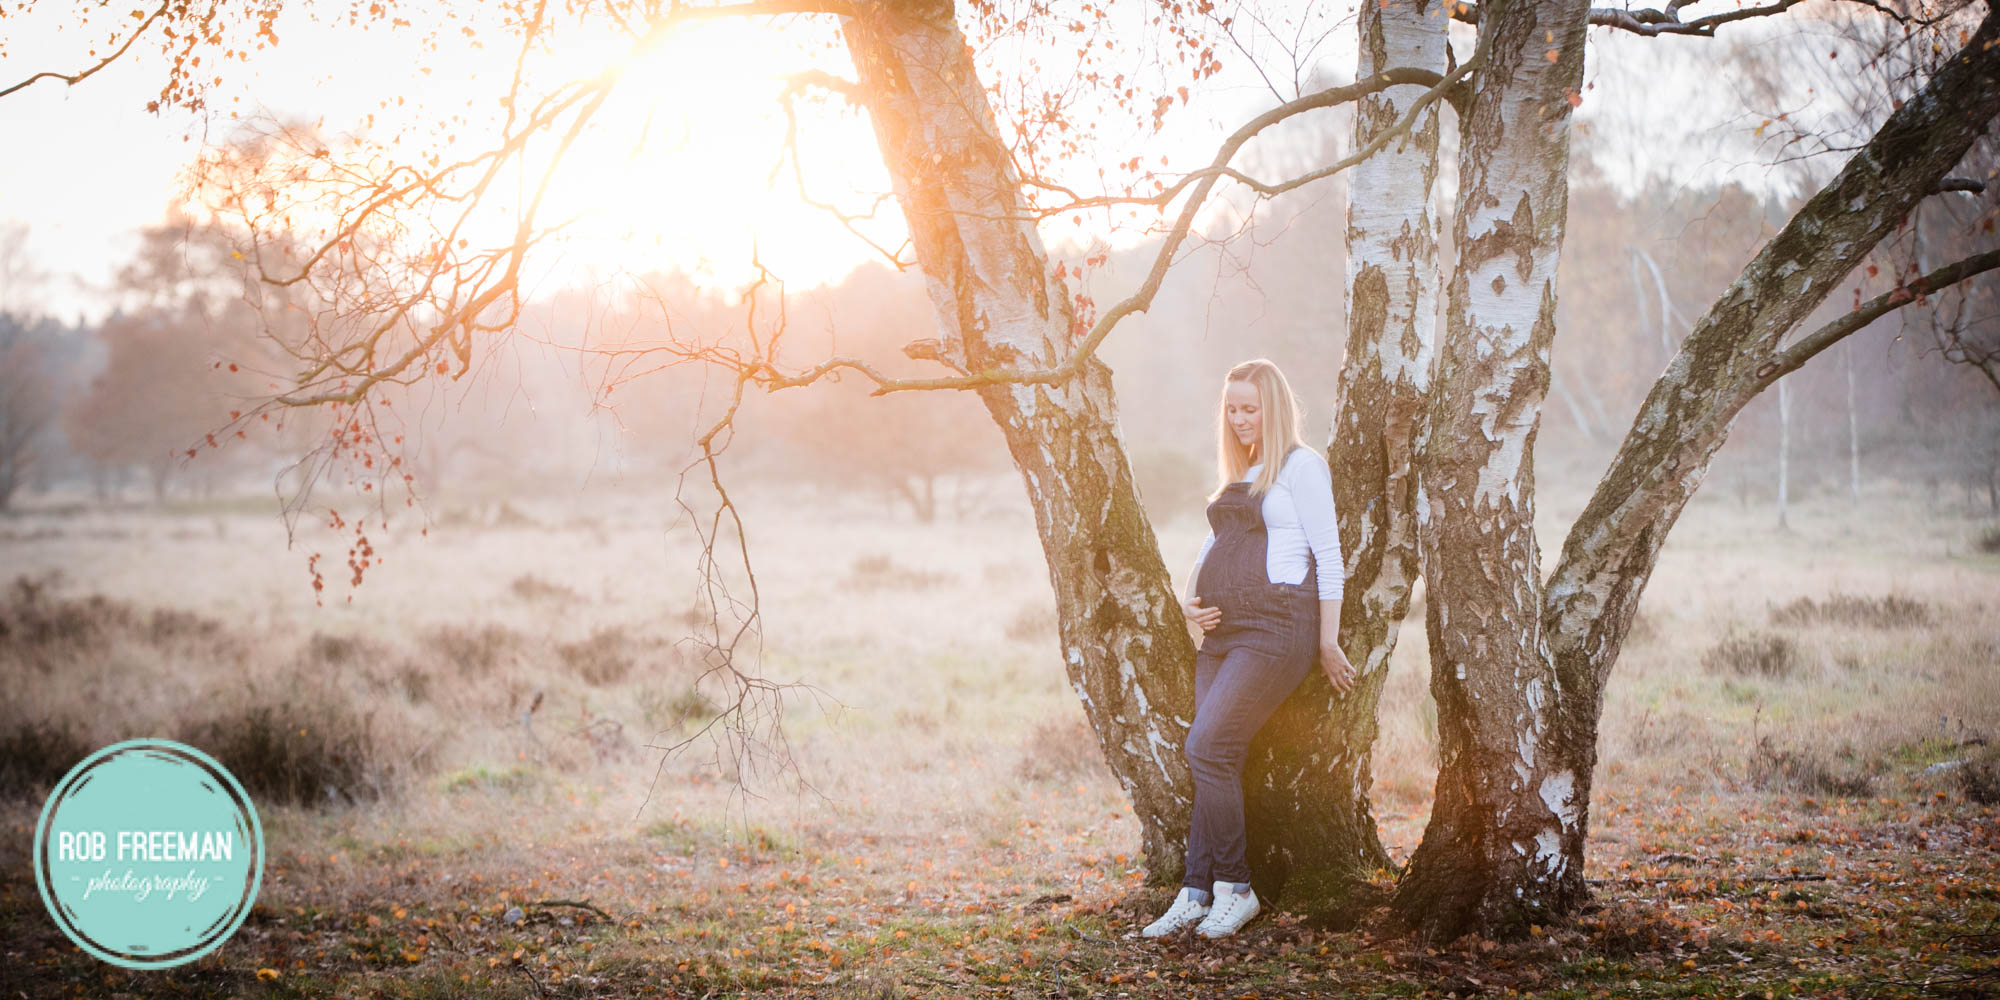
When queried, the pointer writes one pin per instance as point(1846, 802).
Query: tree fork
point(1736, 350)
point(1500, 851)
point(1392, 274)
point(1125, 641)
point(999, 305)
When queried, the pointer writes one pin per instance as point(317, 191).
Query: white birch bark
point(999, 305)
point(1735, 350)
point(1503, 845)
point(1125, 641)
point(1392, 275)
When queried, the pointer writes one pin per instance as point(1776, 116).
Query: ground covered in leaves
point(463, 790)
point(1761, 896)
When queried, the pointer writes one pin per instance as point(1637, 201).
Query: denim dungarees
point(1265, 645)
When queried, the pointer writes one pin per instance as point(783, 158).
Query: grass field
point(460, 787)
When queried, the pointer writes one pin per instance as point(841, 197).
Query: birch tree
point(404, 297)
point(1520, 664)
point(1316, 770)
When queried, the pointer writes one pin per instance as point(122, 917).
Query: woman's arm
point(1204, 618)
point(1195, 573)
point(1312, 496)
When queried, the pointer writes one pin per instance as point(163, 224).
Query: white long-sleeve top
point(1298, 517)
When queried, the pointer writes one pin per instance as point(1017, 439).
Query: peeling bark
point(1734, 351)
point(1125, 641)
point(1320, 744)
point(1504, 844)
point(999, 304)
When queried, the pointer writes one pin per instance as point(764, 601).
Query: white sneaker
point(1229, 913)
point(1185, 911)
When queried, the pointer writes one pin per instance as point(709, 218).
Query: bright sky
point(90, 165)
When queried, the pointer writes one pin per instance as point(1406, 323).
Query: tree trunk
point(158, 470)
point(1125, 640)
point(1639, 306)
point(1667, 310)
point(1391, 346)
point(1784, 451)
point(923, 503)
point(1853, 431)
point(1576, 414)
point(1735, 350)
point(1502, 849)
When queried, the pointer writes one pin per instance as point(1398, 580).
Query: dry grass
point(929, 646)
point(485, 704)
point(530, 587)
point(879, 571)
point(1061, 749)
point(1757, 654)
point(36, 753)
point(1892, 611)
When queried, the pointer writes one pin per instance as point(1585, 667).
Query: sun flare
point(688, 166)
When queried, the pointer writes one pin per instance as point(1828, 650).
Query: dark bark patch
point(1370, 312)
point(1524, 243)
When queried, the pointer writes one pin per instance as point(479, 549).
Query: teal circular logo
point(149, 854)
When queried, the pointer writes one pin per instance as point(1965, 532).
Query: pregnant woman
point(1266, 594)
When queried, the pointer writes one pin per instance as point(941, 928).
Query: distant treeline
point(601, 382)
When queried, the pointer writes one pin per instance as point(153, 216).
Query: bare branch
point(1803, 349)
point(1204, 181)
point(679, 13)
point(1142, 299)
point(1728, 357)
point(797, 83)
point(1219, 166)
point(78, 77)
point(760, 369)
point(1651, 22)
point(833, 83)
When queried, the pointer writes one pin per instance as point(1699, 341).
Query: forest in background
point(109, 411)
point(464, 771)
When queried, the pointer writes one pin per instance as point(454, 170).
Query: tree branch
point(751, 8)
point(1803, 349)
point(1724, 361)
point(1652, 22)
point(1204, 181)
point(1219, 166)
point(78, 77)
point(1142, 299)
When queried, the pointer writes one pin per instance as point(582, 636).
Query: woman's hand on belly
point(1205, 618)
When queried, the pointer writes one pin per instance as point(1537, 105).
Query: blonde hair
point(1281, 427)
